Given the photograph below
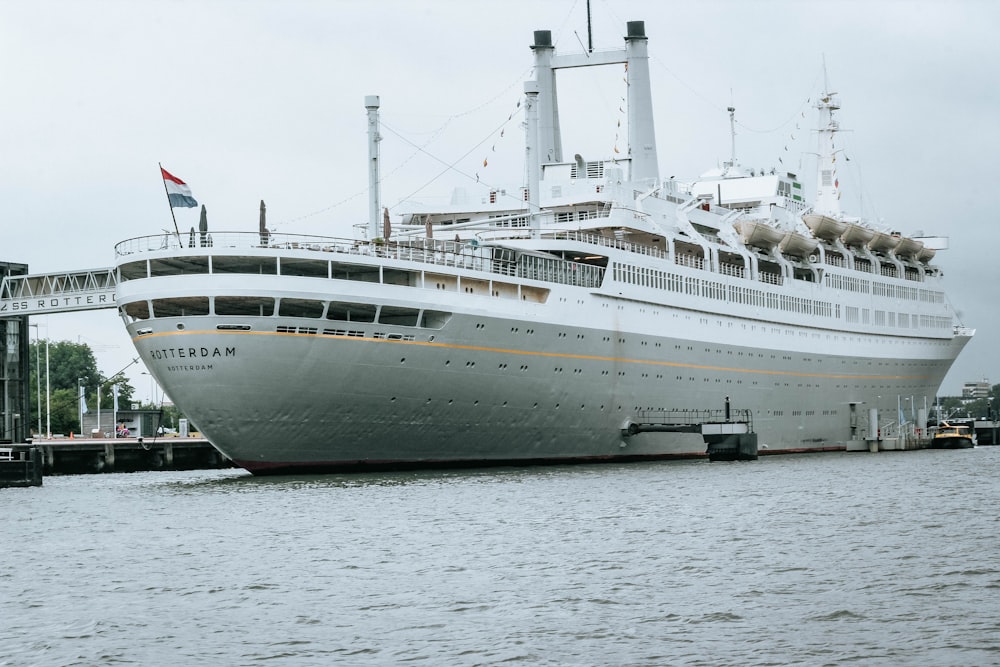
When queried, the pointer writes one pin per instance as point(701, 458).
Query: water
point(823, 559)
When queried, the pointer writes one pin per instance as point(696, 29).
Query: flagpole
point(177, 231)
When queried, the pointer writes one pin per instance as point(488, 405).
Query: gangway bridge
point(728, 433)
point(61, 292)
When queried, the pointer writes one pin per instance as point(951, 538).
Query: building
point(975, 390)
point(144, 423)
point(15, 364)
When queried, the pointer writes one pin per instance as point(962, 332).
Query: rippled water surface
point(823, 559)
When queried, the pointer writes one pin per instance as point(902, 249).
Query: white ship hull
point(589, 299)
point(508, 380)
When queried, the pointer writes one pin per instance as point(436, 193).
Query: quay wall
point(100, 455)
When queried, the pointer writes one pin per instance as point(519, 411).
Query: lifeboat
point(758, 234)
point(883, 242)
point(823, 226)
point(797, 245)
point(908, 247)
point(857, 235)
point(926, 254)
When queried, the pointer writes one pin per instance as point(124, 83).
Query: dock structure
point(20, 465)
point(728, 433)
point(60, 292)
point(987, 432)
point(101, 455)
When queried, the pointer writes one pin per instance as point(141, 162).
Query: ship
point(953, 436)
point(541, 323)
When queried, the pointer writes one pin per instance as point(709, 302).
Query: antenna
point(590, 33)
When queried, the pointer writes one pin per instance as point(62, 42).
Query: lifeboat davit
point(883, 242)
point(909, 247)
point(857, 235)
point(797, 245)
point(758, 234)
point(823, 226)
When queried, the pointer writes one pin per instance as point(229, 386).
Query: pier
point(100, 455)
point(727, 437)
point(20, 465)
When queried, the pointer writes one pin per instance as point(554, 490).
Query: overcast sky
point(249, 100)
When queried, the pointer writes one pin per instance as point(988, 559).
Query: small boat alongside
point(953, 436)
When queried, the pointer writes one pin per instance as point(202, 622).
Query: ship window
point(300, 308)
point(138, 310)
point(367, 274)
point(434, 319)
point(176, 266)
point(396, 277)
point(404, 317)
point(351, 312)
point(133, 270)
point(309, 268)
point(264, 266)
point(262, 306)
point(180, 306)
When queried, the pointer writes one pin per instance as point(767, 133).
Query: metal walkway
point(726, 438)
point(63, 292)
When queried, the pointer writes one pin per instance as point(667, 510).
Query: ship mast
point(732, 139)
point(374, 200)
point(827, 184)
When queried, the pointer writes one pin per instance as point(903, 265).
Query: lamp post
point(100, 384)
point(150, 386)
point(79, 401)
point(38, 378)
point(153, 394)
point(48, 407)
point(912, 423)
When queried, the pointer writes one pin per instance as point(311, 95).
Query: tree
point(64, 415)
point(68, 364)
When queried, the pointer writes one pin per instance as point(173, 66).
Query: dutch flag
point(178, 193)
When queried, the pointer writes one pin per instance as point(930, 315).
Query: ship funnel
point(635, 57)
point(543, 38)
point(641, 128)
